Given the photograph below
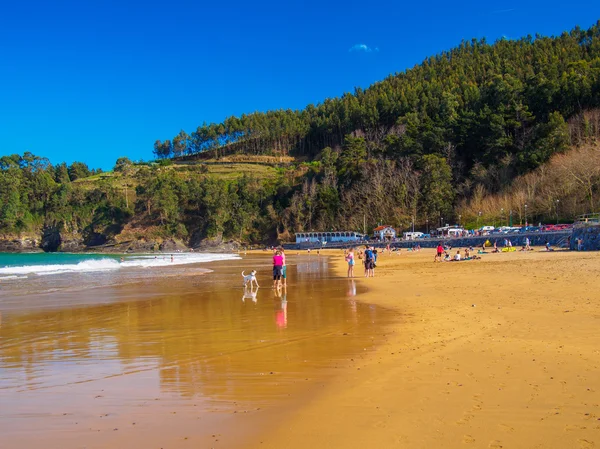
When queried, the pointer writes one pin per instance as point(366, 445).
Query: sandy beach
point(502, 352)
point(498, 352)
point(175, 357)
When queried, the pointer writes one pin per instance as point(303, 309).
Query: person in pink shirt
point(277, 269)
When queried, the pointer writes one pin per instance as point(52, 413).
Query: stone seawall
point(556, 239)
point(589, 235)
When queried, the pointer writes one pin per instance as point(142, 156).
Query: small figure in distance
point(439, 252)
point(350, 259)
point(284, 268)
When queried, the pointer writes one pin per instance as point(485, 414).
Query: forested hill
point(494, 105)
point(442, 141)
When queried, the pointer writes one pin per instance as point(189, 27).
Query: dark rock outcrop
point(51, 239)
point(172, 245)
point(216, 245)
point(19, 245)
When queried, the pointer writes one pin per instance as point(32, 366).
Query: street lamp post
point(510, 218)
point(526, 215)
point(459, 217)
point(427, 225)
point(478, 218)
point(556, 203)
point(502, 215)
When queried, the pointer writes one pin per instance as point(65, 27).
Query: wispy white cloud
point(364, 48)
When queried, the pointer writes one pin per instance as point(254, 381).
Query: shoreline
point(176, 362)
point(500, 352)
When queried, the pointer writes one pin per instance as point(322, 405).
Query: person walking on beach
point(439, 253)
point(350, 260)
point(277, 269)
point(369, 262)
point(284, 267)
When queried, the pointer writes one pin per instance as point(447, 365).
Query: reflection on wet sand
point(193, 340)
point(250, 293)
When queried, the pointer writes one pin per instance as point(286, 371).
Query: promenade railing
point(587, 220)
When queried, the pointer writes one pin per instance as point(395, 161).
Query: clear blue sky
point(95, 80)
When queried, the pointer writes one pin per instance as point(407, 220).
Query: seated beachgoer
point(457, 256)
point(446, 257)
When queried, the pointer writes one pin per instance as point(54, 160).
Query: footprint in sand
point(465, 419)
point(506, 428)
point(468, 439)
point(585, 444)
point(495, 444)
point(570, 427)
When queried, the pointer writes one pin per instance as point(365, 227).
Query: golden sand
point(499, 352)
point(502, 352)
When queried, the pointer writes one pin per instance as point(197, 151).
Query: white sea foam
point(111, 264)
point(12, 277)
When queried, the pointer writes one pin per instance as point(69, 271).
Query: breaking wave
point(112, 264)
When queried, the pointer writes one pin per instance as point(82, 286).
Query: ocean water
point(30, 274)
point(164, 351)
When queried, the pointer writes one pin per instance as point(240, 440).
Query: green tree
point(437, 192)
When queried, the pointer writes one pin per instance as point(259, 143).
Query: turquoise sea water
point(49, 272)
point(19, 259)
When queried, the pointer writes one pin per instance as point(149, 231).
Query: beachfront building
point(324, 237)
point(451, 231)
point(384, 233)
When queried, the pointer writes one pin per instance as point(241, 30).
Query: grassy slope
point(227, 169)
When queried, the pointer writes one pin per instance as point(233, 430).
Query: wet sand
point(178, 361)
point(498, 353)
point(502, 352)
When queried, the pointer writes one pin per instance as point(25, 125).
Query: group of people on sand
point(443, 254)
point(369, 258)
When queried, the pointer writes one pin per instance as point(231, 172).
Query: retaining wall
point(556, 239)
point(590, 236)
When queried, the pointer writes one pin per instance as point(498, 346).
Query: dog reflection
point(250, 293)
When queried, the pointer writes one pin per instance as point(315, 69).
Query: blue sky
point(95, 80)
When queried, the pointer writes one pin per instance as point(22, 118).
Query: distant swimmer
point(171, 257)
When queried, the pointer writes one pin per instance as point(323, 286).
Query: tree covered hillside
point(417, 147)
point(498, 106)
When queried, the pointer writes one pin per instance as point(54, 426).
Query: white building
point(384, 233)
point(450, 231)
point(324, 237)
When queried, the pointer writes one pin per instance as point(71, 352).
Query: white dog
point(250, 279)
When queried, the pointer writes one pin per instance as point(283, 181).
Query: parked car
point(530, 229)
